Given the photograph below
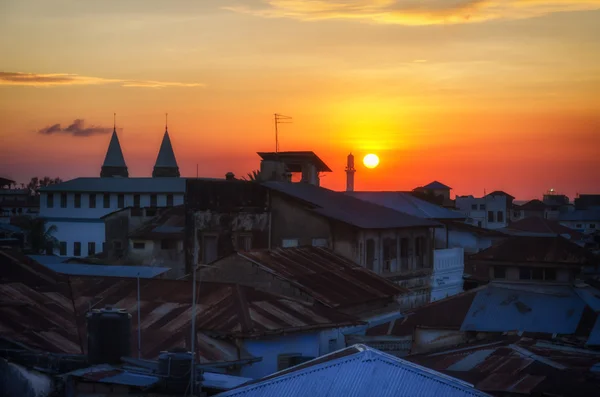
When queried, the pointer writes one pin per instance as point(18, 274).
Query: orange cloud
point(414, 12)
point(62, 79)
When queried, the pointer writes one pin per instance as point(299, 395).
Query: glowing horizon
point(496, 95)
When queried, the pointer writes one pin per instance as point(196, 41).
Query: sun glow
point(371, 160)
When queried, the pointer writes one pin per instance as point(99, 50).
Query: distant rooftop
point(295, 160)
point(435, 185)
point(348, 209)
point(535, 225)
point(84, 269)
point(409, 204)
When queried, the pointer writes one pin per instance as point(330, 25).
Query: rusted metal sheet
point(169, 224)
point(328, 277)
point(53, 319)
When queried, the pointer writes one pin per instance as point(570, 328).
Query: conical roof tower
point(114, 162)
point(166, 163)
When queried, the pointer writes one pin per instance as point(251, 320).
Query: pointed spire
point(114, 162)
point(166, 163)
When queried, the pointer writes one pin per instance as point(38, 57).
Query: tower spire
point(166, 122)
point(166, 163)
point(114, 162)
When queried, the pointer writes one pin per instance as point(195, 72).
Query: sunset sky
point(478, 94)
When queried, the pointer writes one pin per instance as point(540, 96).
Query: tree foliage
point(252, 176)
point(36, 183)
point(38, 235)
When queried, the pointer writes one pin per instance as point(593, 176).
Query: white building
point(491, 211)
point(76, 206)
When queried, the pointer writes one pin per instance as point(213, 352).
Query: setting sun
point(371, 160)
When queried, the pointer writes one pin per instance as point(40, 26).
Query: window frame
point(63, 200)
point(92, 200)
point(106, 200)
point(91, 248)
point(76, 248)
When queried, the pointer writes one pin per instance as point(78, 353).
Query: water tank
point(175, 368)
point(109, 335)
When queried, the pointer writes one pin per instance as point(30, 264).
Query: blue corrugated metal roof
point(409, 204)
point(47, 259)
point(357, 371)
point(502, 308)
point(84, 269)
point(222, 381)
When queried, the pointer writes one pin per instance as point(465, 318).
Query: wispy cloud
point(77, 128)
point(413, 12)
point(63, 79)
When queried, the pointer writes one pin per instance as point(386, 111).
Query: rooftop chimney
point(350, 173)
point(230, 176)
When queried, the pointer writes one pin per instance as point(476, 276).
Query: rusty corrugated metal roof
point(328, 277)
point(168, 224)
point(49, 313)
point(518, 365)
point(528, 249)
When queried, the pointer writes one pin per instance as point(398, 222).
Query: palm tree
point(39, 237)
point(252, 176)
point(36, 183)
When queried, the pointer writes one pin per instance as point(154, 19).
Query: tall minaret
point(350, 173)
point(114, 162)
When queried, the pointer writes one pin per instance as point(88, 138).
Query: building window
point(63, 200)
point(77, 200)
point(319, 242)
point(289, 242)
point(63, 248)
point(474, 206)
point(135, 211)
point(139, 245)
point(482, 206)
point(285, 361)
point(525, 273)
point(91, 248)
point(136, 200)
point(106, 200)
point(390, 255)
point(500, 216)
point(490, 216)
point(499, 272)
point(168, 244)
point(153, 200)
point(50, 200)
point(76, 248)
point(370, 260)
point(592, 225)
point(332, 345)
point(550, 274)
point(244, 242)
point(169, 200)
point(92, 200)
point(420, 251)
point(121, 201)
point(404, 254)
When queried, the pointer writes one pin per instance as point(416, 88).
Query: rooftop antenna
point(279, 119)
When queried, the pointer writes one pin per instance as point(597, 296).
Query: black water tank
point(175, 368)
point(109, 335)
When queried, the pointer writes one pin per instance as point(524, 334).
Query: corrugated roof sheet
point(594, 338)
point(518, 365)
point(328, 277)
point(46, 310)
point(48, 259)
point(407, 203)
point(347, 209)
point(355, 372)
point(120, 185)
point(540, 226)
point(83, 269)
point(528, 249)
point(590, 295)
point(480, 231)
point(218, 381)
point(551, 310)
point(114, 375)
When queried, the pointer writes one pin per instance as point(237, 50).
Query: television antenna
point(280, 119)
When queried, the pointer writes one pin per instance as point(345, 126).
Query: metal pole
point(276, 135)
point(139, 318)
point(193, 371)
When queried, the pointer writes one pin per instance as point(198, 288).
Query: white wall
point(496, 204)
point(86, 212)
point(586, 227)
point(470, 242)
point(83, 232)
point(448, 269)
